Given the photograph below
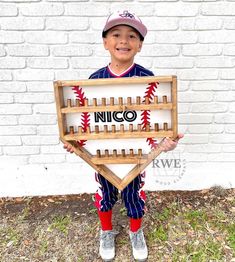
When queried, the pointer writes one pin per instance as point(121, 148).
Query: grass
point(123, 242)
point(177, 229)
point(13, 235)
point(196, 218)
point(231, 236)
point(209, 250)
point(24, 214)
point(164, 215)
point(93, 210)
point(60, 223)
point(10, 236)
point(193, 235)
point(44, 246)
point(123, 211)
point(158, 234)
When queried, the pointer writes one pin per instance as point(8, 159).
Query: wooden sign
point(116, 124)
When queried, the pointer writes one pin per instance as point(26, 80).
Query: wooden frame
point(99, 161)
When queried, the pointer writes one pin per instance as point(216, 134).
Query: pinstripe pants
point(133, 196)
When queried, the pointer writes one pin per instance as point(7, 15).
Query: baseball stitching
point(145, 115)
point(85, 118)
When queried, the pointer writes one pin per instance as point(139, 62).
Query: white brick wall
point(41, 41)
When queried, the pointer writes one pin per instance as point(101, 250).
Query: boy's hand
point(69, 148)
point(169, 144)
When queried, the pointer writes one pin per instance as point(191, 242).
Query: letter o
point(132, 118)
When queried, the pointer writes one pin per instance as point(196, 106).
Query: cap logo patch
point(127, 14)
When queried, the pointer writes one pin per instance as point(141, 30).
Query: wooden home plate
point(116, 124)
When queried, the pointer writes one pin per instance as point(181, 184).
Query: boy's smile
point(123, 43)
point(123, 50)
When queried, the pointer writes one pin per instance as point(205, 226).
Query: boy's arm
point(169, 144)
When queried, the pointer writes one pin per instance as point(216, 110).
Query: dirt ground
point(178, 225)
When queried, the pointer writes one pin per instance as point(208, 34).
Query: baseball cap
point(125, 18)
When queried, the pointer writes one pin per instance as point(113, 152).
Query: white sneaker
point(139, 247)
point(107, 245)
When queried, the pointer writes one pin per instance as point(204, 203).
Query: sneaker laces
point(107, 238)
point(137, 238)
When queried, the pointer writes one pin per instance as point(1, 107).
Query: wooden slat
point(140, 167)
point(118, 135)
point(59, 98)
point(119, 159)
point(102, 169)
point(109, 108)
point(113, 81)
point(174, 113)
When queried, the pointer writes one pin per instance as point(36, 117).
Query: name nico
point(118, 116)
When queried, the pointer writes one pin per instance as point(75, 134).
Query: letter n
point(100, 116)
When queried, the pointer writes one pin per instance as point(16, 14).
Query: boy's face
point(123, 43)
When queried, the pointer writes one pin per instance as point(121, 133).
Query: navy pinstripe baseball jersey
point(132, 71)
point(133, 195)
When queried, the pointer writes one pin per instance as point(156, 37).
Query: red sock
point(135, 224)
point(106, 220)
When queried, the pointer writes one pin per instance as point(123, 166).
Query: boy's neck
point(118, 68)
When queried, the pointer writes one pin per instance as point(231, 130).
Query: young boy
point(123, 37)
